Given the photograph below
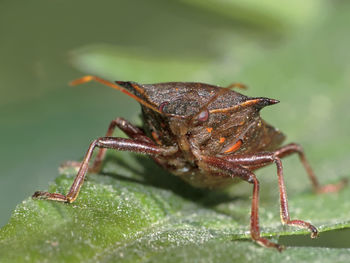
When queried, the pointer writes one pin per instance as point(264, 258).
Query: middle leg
point(237, 85)
point(130, 130)
point(318, 188)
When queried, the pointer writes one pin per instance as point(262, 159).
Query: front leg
point(236, 170)
point(238, 165)
point(120, 144)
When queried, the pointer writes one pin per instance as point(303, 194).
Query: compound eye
point(162, 105)
point(203, 116)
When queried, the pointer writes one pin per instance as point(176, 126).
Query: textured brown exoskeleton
point(208, 135)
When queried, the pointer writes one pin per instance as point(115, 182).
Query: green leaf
point(126, 216)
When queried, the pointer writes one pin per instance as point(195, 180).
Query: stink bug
point(205, 134)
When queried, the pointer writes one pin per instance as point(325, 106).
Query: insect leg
point(284, 211)
point(236, 85)
point(258, 159)
point(132, 131)
point(235, 170)
point(296, 148)
point(120, 144)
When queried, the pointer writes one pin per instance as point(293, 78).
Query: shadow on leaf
point(156, 176)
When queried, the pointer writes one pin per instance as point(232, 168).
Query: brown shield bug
point(205, 134)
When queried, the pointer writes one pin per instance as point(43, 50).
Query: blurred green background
point(297, 52)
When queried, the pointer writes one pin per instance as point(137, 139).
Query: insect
point(207, 135)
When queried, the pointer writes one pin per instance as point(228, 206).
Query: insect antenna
point(89, 78)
